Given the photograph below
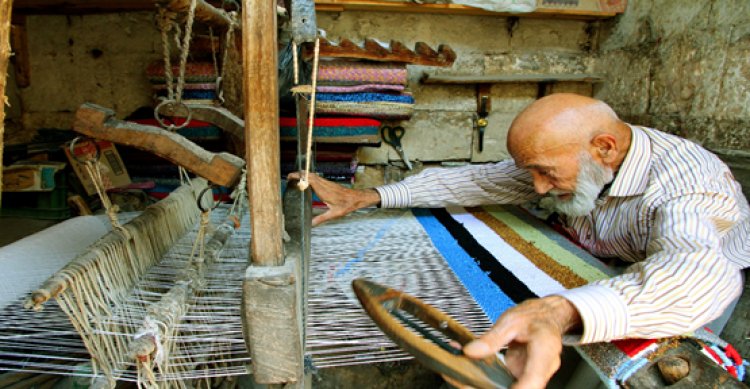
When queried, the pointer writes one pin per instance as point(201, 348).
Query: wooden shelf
point(428, 78)
point(452, 9)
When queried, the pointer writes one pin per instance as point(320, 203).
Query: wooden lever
point(100, 123)
point(392, 309)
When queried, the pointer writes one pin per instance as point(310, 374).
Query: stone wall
point(683, 67)
point(442, 127)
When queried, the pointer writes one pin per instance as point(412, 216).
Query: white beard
point(591, 179)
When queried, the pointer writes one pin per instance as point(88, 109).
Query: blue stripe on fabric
point(334, 131)
point(490, 298)
point(365, 97)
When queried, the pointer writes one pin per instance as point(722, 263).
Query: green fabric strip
point(547, 245)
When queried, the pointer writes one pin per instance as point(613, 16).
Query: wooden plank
point(271, 318)
point(19, 43)
point(6, 7)
point(452, 9)
point(100, 123)
point(428, 78)
point(260, 81)
point(396, 51)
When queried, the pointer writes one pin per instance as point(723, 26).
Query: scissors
point(392, 136)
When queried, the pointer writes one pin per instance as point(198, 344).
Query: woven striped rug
point(504, 256)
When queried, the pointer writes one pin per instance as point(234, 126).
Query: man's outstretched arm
point(341, 201)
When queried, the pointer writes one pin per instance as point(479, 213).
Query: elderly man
point(661, 202)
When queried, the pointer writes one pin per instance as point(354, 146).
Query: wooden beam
point(6, 7)
point(260, 80)
point(19, 43)
point(204, 12)
point(100, 123)
point(393, 52)
point(428, 78)
point(80, 6)
point(454, 9)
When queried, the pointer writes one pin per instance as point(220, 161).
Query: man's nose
point(541, 185)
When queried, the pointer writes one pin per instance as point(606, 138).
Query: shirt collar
point(632, 177)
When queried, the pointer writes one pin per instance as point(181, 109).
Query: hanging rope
point(303, 182)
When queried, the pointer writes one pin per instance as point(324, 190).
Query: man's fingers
point(490, 343)
point(542, 361)
point(293, 176)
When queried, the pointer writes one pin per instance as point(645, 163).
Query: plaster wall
point(74, 59)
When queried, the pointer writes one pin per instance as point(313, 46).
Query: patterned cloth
point(354, 73)
point(674, 210)
point(359, 88)
point(376, 109)
point(365, 97)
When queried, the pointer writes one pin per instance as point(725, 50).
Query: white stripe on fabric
point(535, 279)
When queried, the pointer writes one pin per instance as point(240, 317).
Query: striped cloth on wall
point(504, 256)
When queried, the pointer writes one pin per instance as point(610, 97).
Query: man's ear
point(604, 147)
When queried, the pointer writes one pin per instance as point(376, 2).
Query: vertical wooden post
point(260, 79)
point(6, 6)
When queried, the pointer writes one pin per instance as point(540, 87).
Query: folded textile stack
point(199, 86)
point(359, 88)
point(335, 130)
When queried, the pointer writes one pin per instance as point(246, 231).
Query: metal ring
point(71, 148)
point(200, 197)
point(172, 127)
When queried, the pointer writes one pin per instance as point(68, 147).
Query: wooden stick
point(5, 10)
point(219, 168)
point(204, 12)
point(260, 80)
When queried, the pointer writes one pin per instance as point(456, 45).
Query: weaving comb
point(398, 315)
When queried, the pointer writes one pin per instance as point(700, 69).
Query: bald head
point(565, 122)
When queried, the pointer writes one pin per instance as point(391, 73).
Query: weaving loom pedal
point(390, 309)
point(98, 122)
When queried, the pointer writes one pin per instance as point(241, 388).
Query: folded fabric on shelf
point(380, 110)
point(335, 130)
point(359, 88)
point(364, 97)
point(355, 73)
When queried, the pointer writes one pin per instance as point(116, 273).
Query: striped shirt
point(674, 210)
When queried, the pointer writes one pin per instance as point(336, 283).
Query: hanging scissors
point(392, 136)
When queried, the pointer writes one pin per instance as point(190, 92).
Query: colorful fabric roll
point(366, 97)
point(353, 73)
point(504, 256)
point(359, 88)
point(380, 110)
point(335, 130)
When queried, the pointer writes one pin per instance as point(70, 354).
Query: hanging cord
point(93, 168)
point(165, 22)
point(239, 195)
point(303, 182)
point(228, 40)
point(185, 49)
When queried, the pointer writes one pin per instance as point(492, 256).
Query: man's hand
point(532, 332)
point(340, 200)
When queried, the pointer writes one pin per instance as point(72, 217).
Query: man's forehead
point(545, 157)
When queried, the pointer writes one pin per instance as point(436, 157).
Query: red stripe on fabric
point(333, 122)
point(715, 356)
point(733, 354)
point(631, 347)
